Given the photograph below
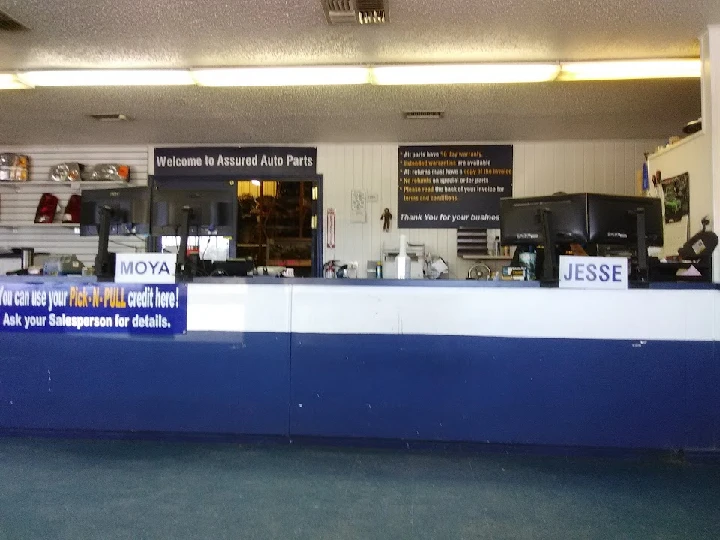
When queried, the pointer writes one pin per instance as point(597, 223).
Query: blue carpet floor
point(135, 490)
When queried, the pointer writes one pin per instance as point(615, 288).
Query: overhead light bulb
point(107, 77)
point(255, 182)
point(282, 76)
point(464, 73)
point(407, 74)
point(630, 69)
point(8, 81)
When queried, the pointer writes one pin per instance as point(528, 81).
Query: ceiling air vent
point(8, 24)
point(371, 11)
point(423, 115)
point(355, 11)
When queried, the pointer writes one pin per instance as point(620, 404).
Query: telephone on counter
point(701, 246)
point(693, 261)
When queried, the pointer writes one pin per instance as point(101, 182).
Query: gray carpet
point(111, 490)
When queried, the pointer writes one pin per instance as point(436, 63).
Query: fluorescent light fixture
point(282, 76)
point(408, 74)
point(630, 69)
point(107, 77)
point(464, 73)
point(8, 81)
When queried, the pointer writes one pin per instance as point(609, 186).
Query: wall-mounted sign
point(448, 187)
point(93, 308)
point(240, 161)
point(593, 272)
point(676, 195)
point(145, 268)
point(358, 205)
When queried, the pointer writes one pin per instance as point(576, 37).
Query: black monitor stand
point(184, 268)
point(550, 260)
point(104, 261)
point(642, 255)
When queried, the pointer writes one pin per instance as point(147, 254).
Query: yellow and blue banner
point(93, 307)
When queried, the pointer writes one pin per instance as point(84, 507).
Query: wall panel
point(18, 202)
point(539, 169)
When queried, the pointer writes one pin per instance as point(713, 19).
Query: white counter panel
point(238, 308)
point(684, 315)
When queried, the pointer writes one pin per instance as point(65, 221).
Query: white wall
point(539, 169)
point(710, 49)
point(692, 156)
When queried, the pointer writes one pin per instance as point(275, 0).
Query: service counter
point(451, 361)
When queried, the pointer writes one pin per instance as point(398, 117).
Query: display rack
point(31, 224)
point(477, 245)
point(290, 263)
point(486, 257)
point(20, 186)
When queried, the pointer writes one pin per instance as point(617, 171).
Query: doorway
point(278, 224)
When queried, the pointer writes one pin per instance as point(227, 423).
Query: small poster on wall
point(358, 204)
point(453, 186)
point(676, 209)
point(676, 195)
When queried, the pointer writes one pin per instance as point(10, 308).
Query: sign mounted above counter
point(453, 186)
point(249, 161)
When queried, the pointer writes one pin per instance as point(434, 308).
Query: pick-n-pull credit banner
point(93, 307)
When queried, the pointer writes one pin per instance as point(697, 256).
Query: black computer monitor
point(612, 220)
point(129, 211)
point(212, 210)
point(192, 207)
point(106, 212)
point(521, 219)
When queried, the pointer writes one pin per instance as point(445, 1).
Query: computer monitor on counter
point(521, 219)
point(112, 212)
point(585, 218)
point(544, 221)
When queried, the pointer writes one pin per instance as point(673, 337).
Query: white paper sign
point(593, 272)
point(145, 268)
point(358, 205)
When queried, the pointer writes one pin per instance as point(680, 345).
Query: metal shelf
point(290, 262)
point(281, 240)
point(485, 258)
point(19, 186)
point(30, 224)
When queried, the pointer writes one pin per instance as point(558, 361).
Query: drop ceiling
point(183, 33)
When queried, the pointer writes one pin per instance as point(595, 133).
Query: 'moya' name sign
point(145, 268)
point(593, 272)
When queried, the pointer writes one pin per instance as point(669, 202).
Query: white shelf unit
point(30, 224)
point(486, 258)
point(19, 200)
point(73, 186)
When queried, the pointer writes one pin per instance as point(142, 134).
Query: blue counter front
point(417, 361)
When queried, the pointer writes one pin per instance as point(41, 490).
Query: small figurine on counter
point(386, 217)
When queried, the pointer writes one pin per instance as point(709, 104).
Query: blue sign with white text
point(93, 307)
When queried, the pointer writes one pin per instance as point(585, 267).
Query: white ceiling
point(182, 33)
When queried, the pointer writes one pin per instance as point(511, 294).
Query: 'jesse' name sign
point(593, 273)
